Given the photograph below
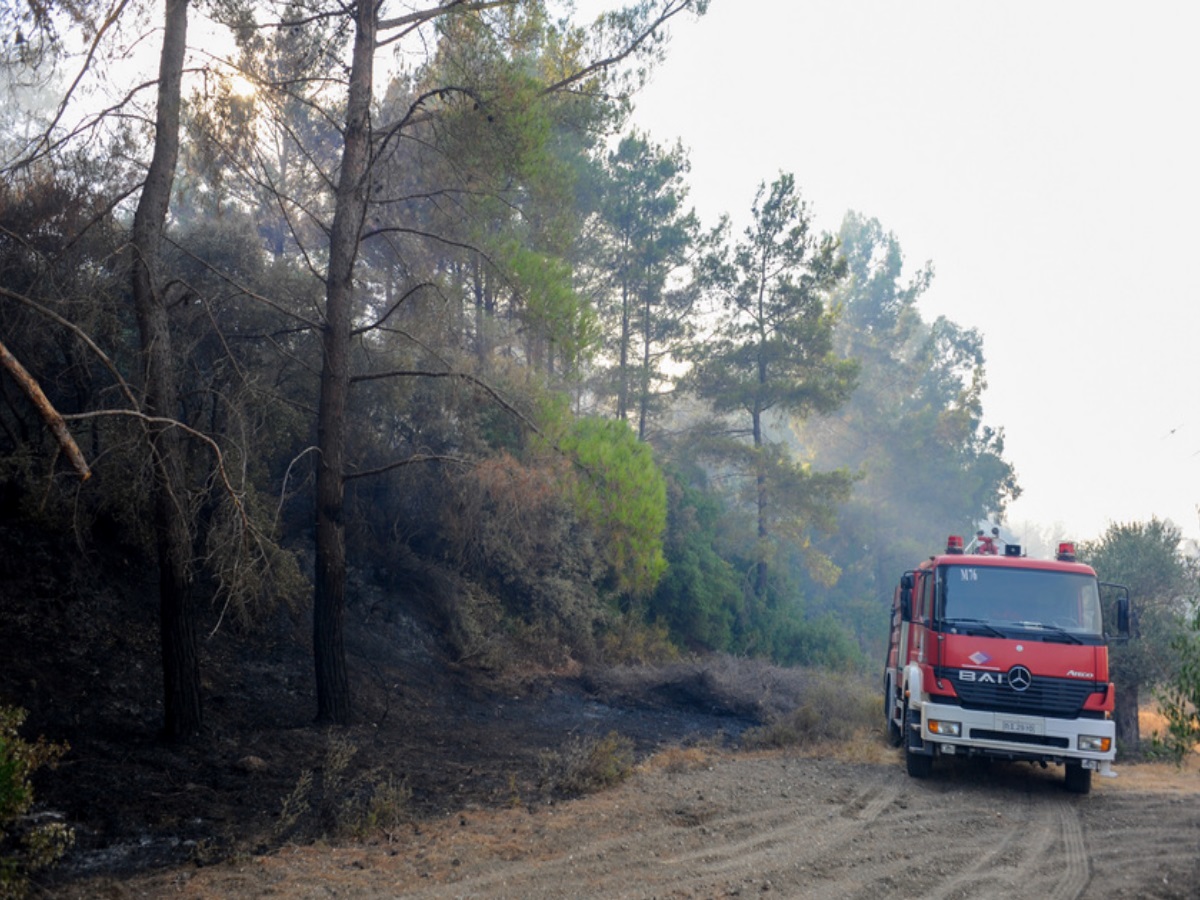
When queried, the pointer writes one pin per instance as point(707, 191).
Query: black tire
point(895, 735)
point(1079, 779)
point(918, 764)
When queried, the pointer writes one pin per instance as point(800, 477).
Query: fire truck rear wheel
point(895, 735)
point(1079, 779)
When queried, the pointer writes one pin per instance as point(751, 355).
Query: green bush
point(24, 848)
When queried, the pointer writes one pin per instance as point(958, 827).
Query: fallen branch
point(51, 415)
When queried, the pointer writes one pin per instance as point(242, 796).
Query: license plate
point(1020, 726)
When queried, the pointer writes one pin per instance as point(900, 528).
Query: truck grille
point(1058, 697)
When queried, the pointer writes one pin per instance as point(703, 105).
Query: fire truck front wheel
point(919, 764)
point(1079, 779)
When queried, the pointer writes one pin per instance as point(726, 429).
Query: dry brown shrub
point(502, 508)
point(829, 709)
point(587, 765)
point(632, 642)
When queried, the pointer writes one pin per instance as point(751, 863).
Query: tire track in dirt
point(887, 836)
point(602, 855)
point(705, 848)
point(972, 835)
point(1039, 853)
point(792, 841)
point(1074, 856)
point(991, 855)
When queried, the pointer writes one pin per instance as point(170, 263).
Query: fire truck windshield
point(1062, 602)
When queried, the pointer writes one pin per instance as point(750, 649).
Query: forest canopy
point(337, 293)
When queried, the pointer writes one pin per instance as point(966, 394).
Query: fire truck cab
point(997, 655)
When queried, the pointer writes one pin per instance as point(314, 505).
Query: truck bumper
point(1010, 736)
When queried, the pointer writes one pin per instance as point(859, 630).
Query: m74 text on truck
point(994, 654)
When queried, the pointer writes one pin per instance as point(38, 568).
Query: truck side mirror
point(906, 589)
point(1126, 622)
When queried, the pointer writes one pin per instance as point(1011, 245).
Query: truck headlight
point(1094, 743)
point(947, 729)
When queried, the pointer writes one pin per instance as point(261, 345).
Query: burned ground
point(81, 656)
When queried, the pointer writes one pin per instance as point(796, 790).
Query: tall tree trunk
point(761, 569)
point(180, 655)
point(644, 374)
point(623, 356)
point(329, 601)
point(481, 344)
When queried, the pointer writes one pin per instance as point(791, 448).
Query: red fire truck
point(998, 655)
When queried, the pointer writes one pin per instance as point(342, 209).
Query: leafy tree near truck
point(1163, 585)
point(1179, 696)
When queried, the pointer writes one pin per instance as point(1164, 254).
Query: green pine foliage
point(621, 491)
point(700, 590)
point(552, 307)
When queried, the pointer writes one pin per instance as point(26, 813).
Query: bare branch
point(411, 117)
point(391, 309)
point(287, 475)
point(412, 460)
point(253, 295)
point(175, 423)
point(464, 376)
point(426, 15)
point(43, 143)
point(417, 232)
point(672, 9)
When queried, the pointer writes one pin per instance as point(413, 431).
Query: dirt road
point(700, 825)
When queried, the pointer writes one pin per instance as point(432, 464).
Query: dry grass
point(678, 759)
point(866, 747)
point(1151, 721)
point(1156, 777)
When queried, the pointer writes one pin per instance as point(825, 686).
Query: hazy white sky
point(1044, 156)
